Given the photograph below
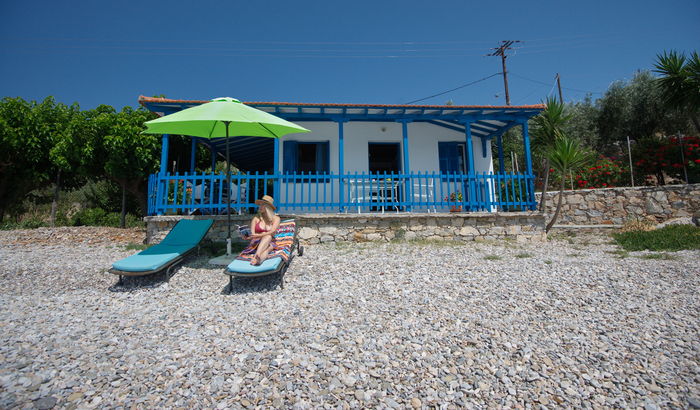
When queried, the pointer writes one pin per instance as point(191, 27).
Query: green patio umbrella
point(223, 118)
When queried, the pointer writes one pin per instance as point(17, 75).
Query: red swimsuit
point(258, 229)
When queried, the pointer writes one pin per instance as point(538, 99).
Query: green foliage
point(136, 247)
point(130, 154)
point(27, 223)
point(669, 238)
point(567, 154)
point(662, 256)
point(99, 217)
point(492, 258)
point(89, 217)
point(679, 83)
point(583, 122)
point(512, 191)
point(635, 109)
point(547, 127)
point(25, 138)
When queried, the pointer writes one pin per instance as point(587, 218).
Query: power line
point(454, 89)
point(547, 84)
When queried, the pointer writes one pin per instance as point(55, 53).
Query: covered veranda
point(410, 190)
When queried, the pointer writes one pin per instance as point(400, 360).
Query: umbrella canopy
point(223, 117)
point(209, 121)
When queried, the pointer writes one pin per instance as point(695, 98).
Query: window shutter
point(290, 157)
point(448, 154)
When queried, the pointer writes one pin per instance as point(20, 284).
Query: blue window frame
point(306, 157)
point(452, 157)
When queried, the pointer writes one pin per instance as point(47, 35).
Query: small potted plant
point(455, 197)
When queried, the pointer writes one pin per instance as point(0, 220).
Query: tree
point(635, 109)
point(129, 155)
point(63, 162)
point(680, 83)
point(546, 129)
point(24, 145)
point(583, 121)
point(566, 154)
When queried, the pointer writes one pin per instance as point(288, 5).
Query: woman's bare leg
point(266, 252)
point(262, 248)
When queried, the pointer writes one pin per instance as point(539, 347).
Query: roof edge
point(143, 100)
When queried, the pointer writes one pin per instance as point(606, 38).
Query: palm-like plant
point(566, 154)
point(546, 129)
point(680, 82)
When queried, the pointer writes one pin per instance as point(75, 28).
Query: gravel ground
point(564, 324)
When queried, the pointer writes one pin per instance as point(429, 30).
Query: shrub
point(98, 217)
point(89, 217)
point(604, 173)
point(669, 238)
point(660, 156)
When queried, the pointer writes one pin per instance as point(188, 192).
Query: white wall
point(423, 141)
point(422, 144)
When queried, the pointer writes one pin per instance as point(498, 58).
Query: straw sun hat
point(266, 200)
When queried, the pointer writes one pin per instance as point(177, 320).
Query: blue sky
point(380, 52)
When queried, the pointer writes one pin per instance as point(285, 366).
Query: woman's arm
point(271, 231)
point(252, 228)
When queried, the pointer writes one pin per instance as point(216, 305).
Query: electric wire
point(547, 84)
point(454, 89)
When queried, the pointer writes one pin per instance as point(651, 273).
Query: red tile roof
point(143, 100)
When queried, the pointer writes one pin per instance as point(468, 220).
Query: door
point(384, 157)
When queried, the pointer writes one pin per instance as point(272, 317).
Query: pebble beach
point(567, 323)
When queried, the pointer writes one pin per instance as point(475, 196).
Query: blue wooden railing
point(351, 192)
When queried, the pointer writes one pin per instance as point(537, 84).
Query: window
point(452, 158)
point(306, 157)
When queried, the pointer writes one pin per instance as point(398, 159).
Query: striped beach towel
point(281, 243)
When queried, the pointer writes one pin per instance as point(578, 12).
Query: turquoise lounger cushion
point(150, 259)
point(184, 236)
point(187, 232)
point(240, 266)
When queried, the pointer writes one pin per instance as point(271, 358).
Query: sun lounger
point(180, 241)
point(286, 243)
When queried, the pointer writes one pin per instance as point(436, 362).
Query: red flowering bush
point(656, 158)
point(605, 172)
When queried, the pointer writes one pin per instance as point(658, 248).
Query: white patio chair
point(424, 191)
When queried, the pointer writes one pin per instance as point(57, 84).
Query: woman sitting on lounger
point(263, 227)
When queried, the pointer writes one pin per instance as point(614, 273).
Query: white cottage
point(360, 158)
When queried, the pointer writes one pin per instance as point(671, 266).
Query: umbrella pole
point(228, 188)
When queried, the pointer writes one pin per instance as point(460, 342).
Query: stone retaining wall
point(618, 205)
point(317, 228)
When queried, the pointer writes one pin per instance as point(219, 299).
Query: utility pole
point(561, 99)
point(501, 51)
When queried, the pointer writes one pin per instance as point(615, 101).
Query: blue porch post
point(341, 166)
point(160, 186)
point(470, 160)
point(276, 172)
point(528, 165)
point(164, 147)
point(501, 163)
point(406, 164)
point(193, 151)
